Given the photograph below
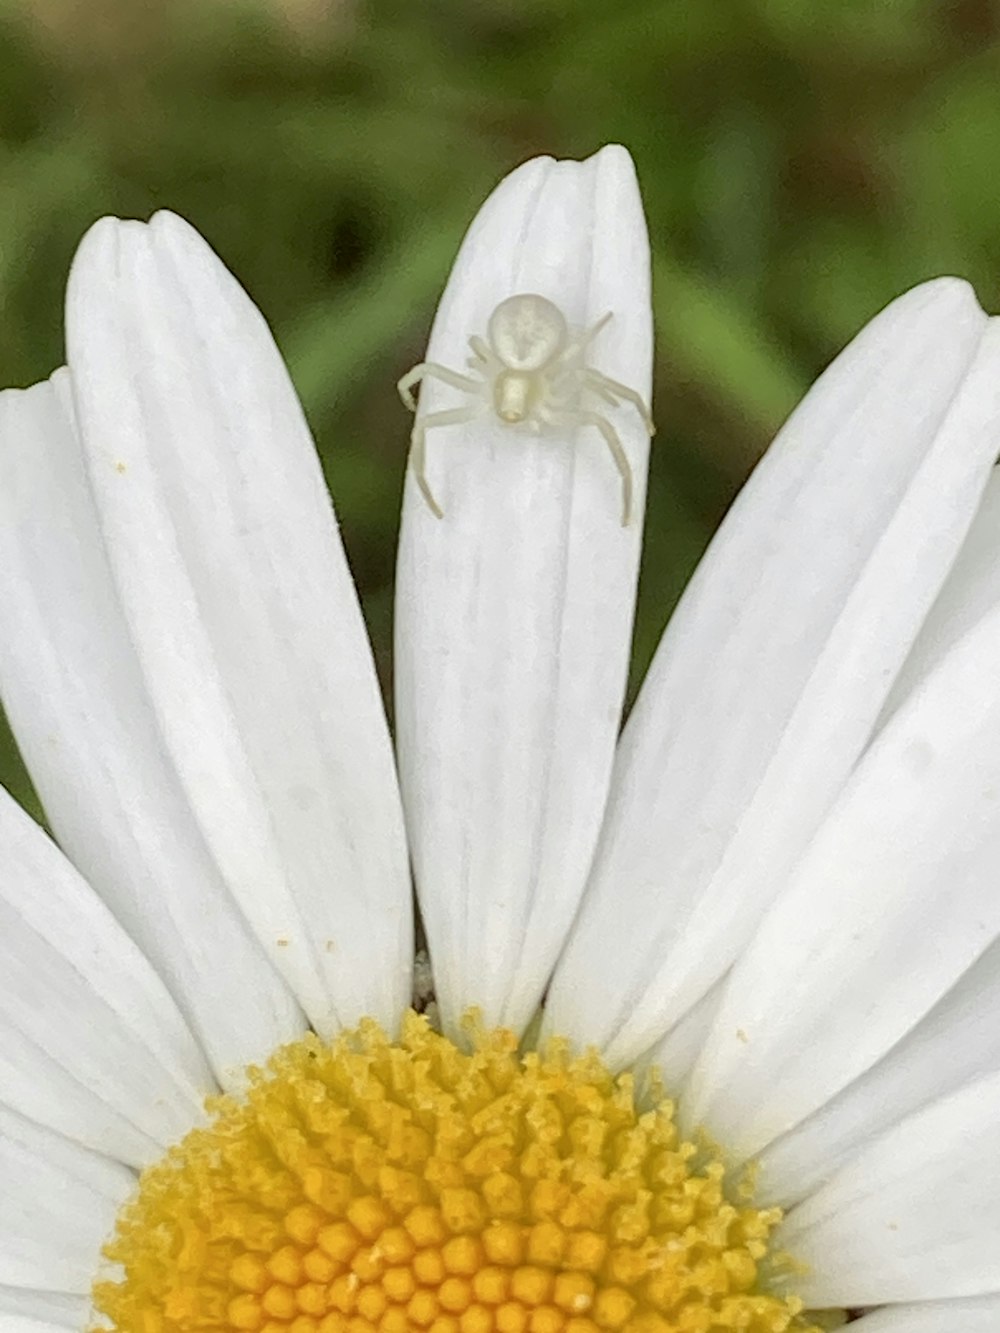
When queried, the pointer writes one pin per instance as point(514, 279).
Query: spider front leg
point(482, 353)
point(452, 416)
point(571, 356)
point(614, 392)
point(432, 370)
point(581, 417)
point(484, 361)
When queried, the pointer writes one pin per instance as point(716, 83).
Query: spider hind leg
point(582, 417)
point(452, 416)
point(613, 391)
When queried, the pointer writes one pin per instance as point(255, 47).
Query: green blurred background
point(802, 162)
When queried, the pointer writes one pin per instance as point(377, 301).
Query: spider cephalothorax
point(530, 370)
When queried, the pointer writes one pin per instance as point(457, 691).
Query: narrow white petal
point(242, 611)
point(978, 1315)
point(91, 1043)
point(914, 1217)
point(774, 668)
point(75, 695)
point(12, 1323)
point(514, 611)
point(35, 1311)
point(674, 1056)
point(894, 900)
point(59, 1206)
point(22, 1323)
point(957, 1042)
point(970, 590)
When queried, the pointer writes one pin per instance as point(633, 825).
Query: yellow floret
point(371, 1186)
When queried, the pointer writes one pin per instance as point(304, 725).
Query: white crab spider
point(531, 371)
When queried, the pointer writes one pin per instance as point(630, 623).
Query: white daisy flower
point(779, 887)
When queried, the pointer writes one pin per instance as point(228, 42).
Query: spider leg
point(595, 329)
point(581, 417)
point(482, 353)
point(604, 393)
point(452, 416)
point(612, 391)
point(431, 370)
point(579, 342)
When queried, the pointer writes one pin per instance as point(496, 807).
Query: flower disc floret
point(372, 1186)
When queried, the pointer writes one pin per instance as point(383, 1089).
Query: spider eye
point(526, 331)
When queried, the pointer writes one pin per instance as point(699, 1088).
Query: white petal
point(894, 900)
point(958, 1041)
point(12, 1323)
point(970, 590)
point(25, 1311)
point(91, 1044)
point(76, 698)
point(914, 1217)
point(60, 1203)
point(674, 1056)
point(242, 611)
point(514, 611)
point(19, 1323)
point(774, 668)
point(978, 1315)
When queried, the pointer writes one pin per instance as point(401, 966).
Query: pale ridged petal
point(91, 1044)
point(970, 590)
point(76, 697)
point(674, 1056)
point(242, 612)
point(514, 611)
point(977, 1315)
point(59, 1206)
point(27, 1324)
point(894, 900)
point(776, 664)
point(914, 1217)
point(23, 1310)
point(19, 1323)
point(958, 1041)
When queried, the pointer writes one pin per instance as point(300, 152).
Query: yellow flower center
point(372, 1186)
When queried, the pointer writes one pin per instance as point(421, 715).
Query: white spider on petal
point(531, 372)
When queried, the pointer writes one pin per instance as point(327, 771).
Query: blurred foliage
point(801, 165)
